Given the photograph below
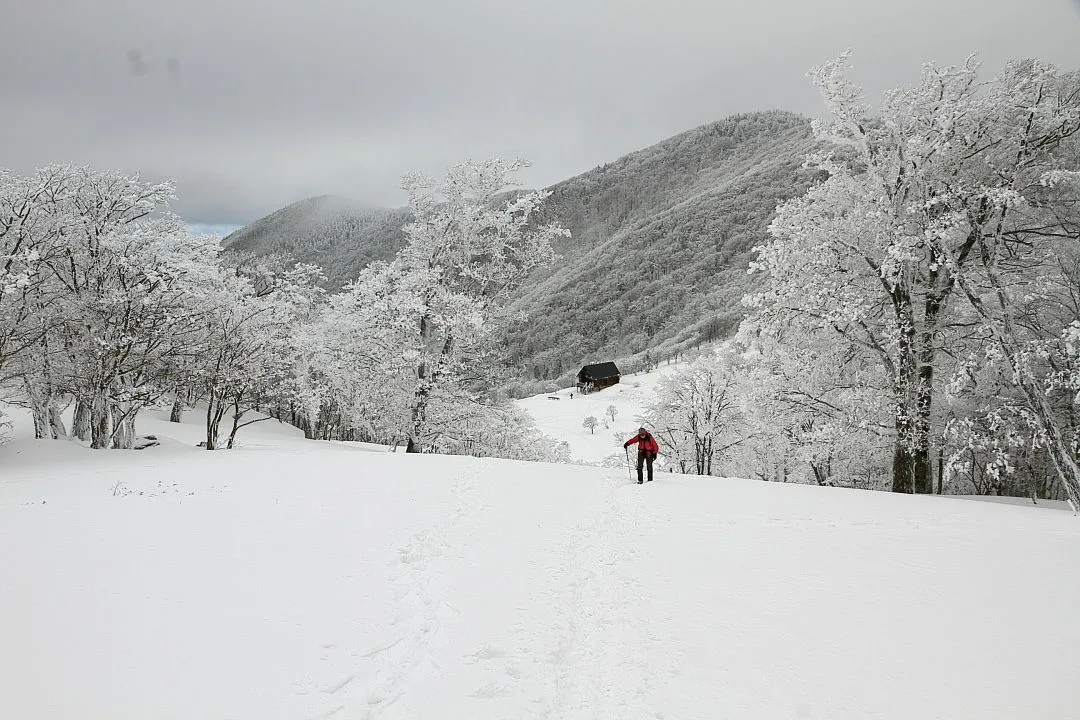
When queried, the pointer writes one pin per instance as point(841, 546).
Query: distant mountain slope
point(333, 232)
point(661, 242)
point(659, 250)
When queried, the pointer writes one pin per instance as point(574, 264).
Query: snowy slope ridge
point(297, 580)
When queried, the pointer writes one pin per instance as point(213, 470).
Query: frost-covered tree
point(919, 213)
point(696, 415)
point(104, 280)
point(467, 246)
point(108, 300)
point(24, 296)
point(1014, 399)
point(589, 423)
point(252, 347)
point(612, 411)
point(812, 410)
point(354, 374)
point(137, 307)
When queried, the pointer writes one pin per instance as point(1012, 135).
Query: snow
point(298, 580)
point(1024, 502)
point(562, 418)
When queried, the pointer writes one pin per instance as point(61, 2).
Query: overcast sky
point(252, 104)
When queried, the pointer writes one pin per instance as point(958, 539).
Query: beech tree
point(251, 351)
point(696, 415)
point(351, 375)
point(102, 294)
point(812, 410)
point(1020, 388)
point(141, 309)
point(918, 213)
point(23, 295)
point(466, 249)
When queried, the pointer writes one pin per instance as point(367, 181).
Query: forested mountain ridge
point(330, 231)
point(661, 242)
point(658, 252)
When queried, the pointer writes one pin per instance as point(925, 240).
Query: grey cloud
point(250, 104)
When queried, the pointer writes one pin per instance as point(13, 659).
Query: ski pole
point(629, 469)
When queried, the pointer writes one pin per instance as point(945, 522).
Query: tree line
point(109, 305)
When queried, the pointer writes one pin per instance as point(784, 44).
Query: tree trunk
point(100, 420)
point(912, 470)
point(923, 471)
point(177, 413)
point(821, 472)
point(426, 379)
point(236, 416)
point(940, 468)
point(39, 408)
point(913, 396)
point(124, 431)
point(215, 410)
point(80, 426)
point(902, 481)
point(211, 429)
point(1056, 446)
point(56, 420)
point(419, 412)
point(420, 396)
point(41, 393)
point(903, 461)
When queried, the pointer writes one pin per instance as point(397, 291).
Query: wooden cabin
point(597, 376)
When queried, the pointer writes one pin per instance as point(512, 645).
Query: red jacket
point(646, 444)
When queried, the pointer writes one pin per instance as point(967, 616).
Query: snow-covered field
point(299, 580)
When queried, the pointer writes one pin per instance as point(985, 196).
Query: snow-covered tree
point(918, 214)
point(589, 423)
point(696, 415)
point(24, 231)
point(252, 352)
point(812, 410)
point(1014, 399)
point(107, 300)
point(354, 374)
point(467, 247)
point(612, 411)
point(103, 284)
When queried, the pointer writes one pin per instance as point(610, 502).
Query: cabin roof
point(600, 371)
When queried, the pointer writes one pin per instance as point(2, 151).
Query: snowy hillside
point(293, 579)
point(560, 416)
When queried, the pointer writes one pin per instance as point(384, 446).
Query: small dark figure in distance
point(646, 451)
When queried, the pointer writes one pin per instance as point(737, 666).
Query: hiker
point(646, 452)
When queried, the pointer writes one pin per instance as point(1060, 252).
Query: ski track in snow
point(380, 686)
point(602, 666)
